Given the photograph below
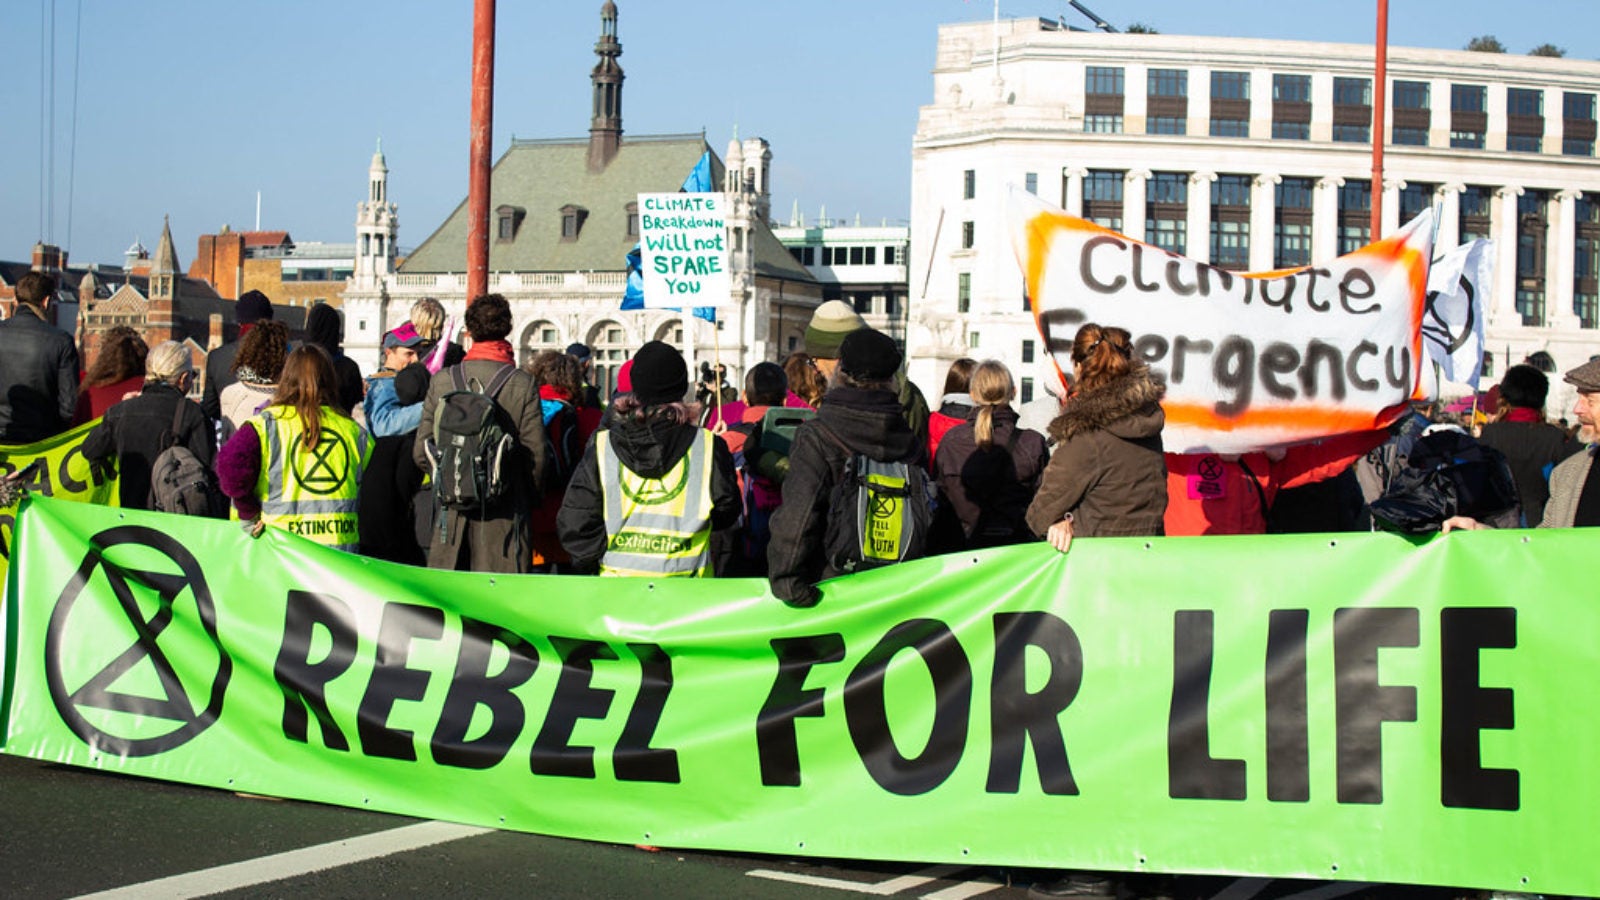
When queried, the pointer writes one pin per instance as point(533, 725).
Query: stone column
point(1199, 113)
point(1448, 196)
point(1197, 243)
point(1073, 199)
point(1325, 219)
point(1503, 225)
point(1260, 105)
point(1133, 189)
point(1560, 261)
point(1263, 220)
point(1390, 221)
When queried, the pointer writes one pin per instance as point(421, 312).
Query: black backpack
point(469, 450)
point(879, 513)
point(1448, 473)
point(179, 482)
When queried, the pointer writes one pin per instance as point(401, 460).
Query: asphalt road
point(69, 832)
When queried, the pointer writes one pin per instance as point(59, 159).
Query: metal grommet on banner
point(1333, 543)
point(491, 582)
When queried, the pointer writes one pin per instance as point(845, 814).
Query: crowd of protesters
point(452, 455)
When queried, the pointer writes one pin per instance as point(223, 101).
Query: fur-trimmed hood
point(1128, 407)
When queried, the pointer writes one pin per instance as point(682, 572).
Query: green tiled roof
point(542, 177)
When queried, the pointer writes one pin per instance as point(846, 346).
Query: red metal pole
point(482, 143)
point(1380, 98)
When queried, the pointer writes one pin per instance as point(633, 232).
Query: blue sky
point(190, 108)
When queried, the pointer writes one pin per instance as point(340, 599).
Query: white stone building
point(863, 265)
point(564, 215)
point(1252, 155)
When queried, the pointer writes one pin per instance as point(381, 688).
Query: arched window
point(1542, 361)
point(611, 349)
point(541, 335)
point(671, 332)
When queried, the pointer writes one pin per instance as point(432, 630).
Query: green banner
point(1351, 707)
point(55, 468)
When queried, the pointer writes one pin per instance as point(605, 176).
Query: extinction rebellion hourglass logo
point(126, 698)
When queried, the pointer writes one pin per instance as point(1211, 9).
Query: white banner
point(684, 245)
point(1251, 361)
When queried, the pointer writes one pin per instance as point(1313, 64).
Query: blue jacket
point(386, 417)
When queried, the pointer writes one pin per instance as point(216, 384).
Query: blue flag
point(697, 182)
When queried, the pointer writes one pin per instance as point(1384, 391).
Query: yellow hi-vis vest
point(656, 527)
point(311, 492)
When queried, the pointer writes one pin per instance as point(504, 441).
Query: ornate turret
point(605, 128)
point(377, 226)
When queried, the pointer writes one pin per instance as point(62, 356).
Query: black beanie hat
point(252, 307)
point(659, 374)
point(869, 355)
point(411, 384)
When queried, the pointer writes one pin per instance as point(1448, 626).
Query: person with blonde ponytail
point(1107, 477)
point(988, 468)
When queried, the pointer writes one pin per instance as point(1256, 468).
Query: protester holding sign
point(298, 463)
point(653, 485)
point(1107, 477)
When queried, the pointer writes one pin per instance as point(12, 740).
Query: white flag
point(1452, 325)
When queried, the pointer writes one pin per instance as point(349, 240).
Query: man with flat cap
point(1575, 483)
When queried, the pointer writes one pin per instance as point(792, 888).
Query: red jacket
point(1212, 494)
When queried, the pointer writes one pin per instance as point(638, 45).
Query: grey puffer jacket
point(1107, 470)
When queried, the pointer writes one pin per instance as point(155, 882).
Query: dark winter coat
point(136, 430)
point(1533, 449)
point(219, 374)
point(1107, 470)
point(38, 378)
point(990, 488)
point(495, 539)
point(870, 422)
point(325, 329)
point(649, 449)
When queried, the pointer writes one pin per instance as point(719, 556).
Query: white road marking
point(277, 867)
point(880, 889)
point(964, 890)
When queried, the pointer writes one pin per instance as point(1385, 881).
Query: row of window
point(848, 256)
point(1166, 226)
point(1167, 93)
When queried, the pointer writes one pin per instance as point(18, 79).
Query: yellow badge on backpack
point(880, 534)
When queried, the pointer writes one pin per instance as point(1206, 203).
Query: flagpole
point(1380, 99)
point(481, 145)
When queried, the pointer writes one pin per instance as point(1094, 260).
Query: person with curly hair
point(117, 374)
point(256, 370)
point(1107, 477)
